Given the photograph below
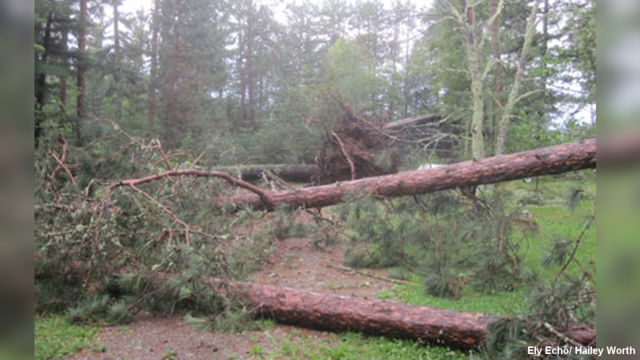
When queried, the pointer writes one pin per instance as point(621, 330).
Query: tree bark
point(476, 77)
point(62, 87)
point(376, 317)
point(545, 161)
point(41, 90)
point(171, 94)
point(515, 90)
point(151, 113)
point(543, 63)
point(412, 121)
point(497, 73)
point(116, 50)
point(251, 116)
point(41, 79)
point(82, 48)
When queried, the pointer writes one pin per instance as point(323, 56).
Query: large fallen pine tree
point(410, 123)
point(544, 161)
point(377, 317)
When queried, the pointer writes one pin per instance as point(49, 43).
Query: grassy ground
point(356, 346)
point(55, 338)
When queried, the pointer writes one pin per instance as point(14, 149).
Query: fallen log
point(461, 330)
point(301, 173)
point(412, 121)
point(544, 161)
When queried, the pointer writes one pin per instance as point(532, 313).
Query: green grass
point(500, 302)
point(557, 222)
point(56, 339)
point(554, 220)
point(354, 346)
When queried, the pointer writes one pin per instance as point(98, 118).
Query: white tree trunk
point(515, 90)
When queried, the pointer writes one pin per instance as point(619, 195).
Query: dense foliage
point(108, 252)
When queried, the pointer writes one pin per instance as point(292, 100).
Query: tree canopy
point(507, 76)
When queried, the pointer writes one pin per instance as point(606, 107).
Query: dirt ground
point(296, 264)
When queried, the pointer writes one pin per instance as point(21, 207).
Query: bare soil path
point(296, 264)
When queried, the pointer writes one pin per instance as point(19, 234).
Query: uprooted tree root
point(354, 149)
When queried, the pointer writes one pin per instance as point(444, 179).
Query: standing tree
point(246, 35)
point(497, 71)
point(578, 57)
point(64, 63)
point(302, 42)
point(172, 13)
point(473, 50)
point(399, 22)
point(54, 23)
point(333, 17)
point(474, 29)
point(82, 64)
point(116, 59)
point(155, 24)
point(514, 95)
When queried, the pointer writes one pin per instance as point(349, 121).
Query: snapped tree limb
point(196, 173)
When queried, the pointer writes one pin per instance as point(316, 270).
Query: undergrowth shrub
point(452, 239)
point(554, 306)
point(284, 225)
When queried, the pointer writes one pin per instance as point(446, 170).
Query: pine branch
point(66, 169)
point(561, 335)
point(61, 160)
point(577, 241)
point(197, 173)
point(373, 276)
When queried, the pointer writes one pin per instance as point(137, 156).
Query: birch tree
point(477, 68)
point(514, 95)
point(479, 64)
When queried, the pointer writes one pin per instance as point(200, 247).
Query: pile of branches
point(355, 148)
point(111, 241)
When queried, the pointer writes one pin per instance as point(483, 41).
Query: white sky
point(131, 6)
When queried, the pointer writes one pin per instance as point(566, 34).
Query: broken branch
point(198, 173)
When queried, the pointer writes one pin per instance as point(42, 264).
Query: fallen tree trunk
point(412, 121)
point(545, 161)
point(376, 317)
point(295, 173)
